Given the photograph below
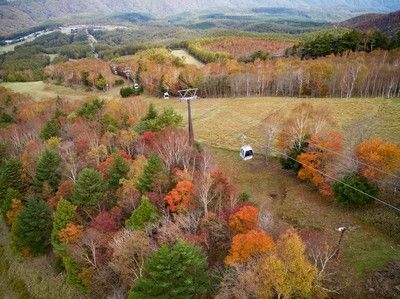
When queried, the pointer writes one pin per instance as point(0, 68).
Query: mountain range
point(19, 14)
point(387, 23)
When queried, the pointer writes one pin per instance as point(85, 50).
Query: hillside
point(19, 14)
point(387, 23)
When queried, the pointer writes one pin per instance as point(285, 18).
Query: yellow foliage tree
point(286, 273)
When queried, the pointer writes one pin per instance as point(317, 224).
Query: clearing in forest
point(221, 122)
point(187, 58)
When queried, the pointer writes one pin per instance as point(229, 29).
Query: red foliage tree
point(147, 137)
point(105, 222)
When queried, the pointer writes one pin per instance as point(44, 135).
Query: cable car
point(246, 152)
point(166, 96)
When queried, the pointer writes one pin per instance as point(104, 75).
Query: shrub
point(354, 191)
point(130, 91)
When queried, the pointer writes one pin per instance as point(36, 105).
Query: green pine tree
point(145, 181)
point(151, 113)
point(177, 272)
point(48, 170)
point(89, 188)
point(118, 170)
point(10, 175)
point(49, 130)
point(32, 228)
point(145, 213)
point(65, 213)
point(347, 193)
point(73, 271)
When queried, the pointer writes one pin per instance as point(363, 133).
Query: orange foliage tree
point(247, 245)
point(71, 233)
point(16, 207)
point(376, 155)
point(179, 199)
point(318, 159)
point(245, 219)
point(64, 191)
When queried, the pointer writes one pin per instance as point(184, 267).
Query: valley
point(112, 186)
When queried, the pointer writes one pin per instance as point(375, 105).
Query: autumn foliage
point(247, 245)
point(244, 220)
point(105, 221)
point(240, 47)
point(180, 198)
point(71, 233)
point(377, 158)
point(318, 160)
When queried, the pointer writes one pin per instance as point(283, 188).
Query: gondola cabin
point(246, 152)
point(166, 96)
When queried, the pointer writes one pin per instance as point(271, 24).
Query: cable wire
point(336, 180)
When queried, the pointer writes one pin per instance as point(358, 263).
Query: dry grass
point(43, 91)
point(189, 59)
point(221, 122)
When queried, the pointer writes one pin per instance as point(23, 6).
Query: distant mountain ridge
point(19, 14)
point(387, 23)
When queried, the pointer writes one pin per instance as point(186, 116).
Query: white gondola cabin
point(166, 96)
point(246, 152)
